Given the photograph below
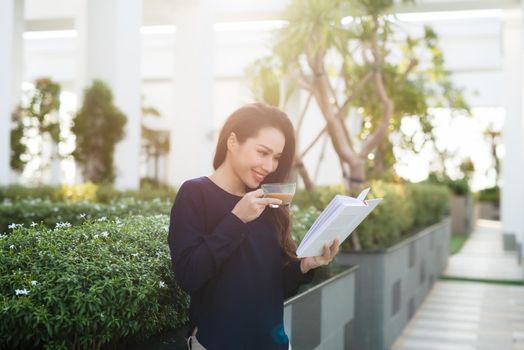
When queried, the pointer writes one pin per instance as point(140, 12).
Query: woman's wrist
point(238, 216)
point(303, 267)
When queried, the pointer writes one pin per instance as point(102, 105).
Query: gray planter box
point(462, 214)
point(509, 242)
point(487, 210)
point(321, 316)
point(392, 283)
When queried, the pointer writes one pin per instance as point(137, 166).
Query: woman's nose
point(268, 165)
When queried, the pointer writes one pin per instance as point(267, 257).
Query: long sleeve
point(293, 277)
point(196, 256)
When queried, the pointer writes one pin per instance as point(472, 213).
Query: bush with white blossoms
point(81, 287)
point(302, 219)
point(33, 212)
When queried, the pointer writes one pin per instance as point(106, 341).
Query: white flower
point(13, 225)
point(34, 283)
point(95, 236)
point(103, 218)
point(162, 284)
point(104, 234)
point(12, 246)
point(21, 291)
point(33, 224)
point(55, 209)
point(134, 254)
point(83, 215)
point(62, 224)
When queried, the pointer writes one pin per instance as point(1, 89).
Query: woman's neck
point(226, 178)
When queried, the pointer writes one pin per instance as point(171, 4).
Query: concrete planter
point(321, 316)
point(392, 283)
point(487, 210)
point(462, 214)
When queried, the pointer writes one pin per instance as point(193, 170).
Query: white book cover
point(340, 218)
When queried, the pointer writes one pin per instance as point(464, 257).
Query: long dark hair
point(246, 122)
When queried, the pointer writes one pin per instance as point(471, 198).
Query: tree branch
point(302, 115)
point(303, 81)
point(299, 165)
point(374, 139)
point(315, 140)
point(412, 64)
point(356, 91)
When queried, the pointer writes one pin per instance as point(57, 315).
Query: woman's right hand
point(252, 205)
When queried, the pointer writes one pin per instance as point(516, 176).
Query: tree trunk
point(379, 166)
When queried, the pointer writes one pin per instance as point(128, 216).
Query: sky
point(462, 136)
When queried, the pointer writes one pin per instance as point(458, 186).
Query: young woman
point(232, 253)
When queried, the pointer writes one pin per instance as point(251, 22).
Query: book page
point(341, 223)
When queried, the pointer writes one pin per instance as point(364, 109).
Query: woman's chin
point(252, 184)
point(253, 187)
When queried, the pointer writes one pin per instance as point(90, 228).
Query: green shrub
point(459, 187)
point(405, 208)
point(105, 193)
point(302, 219)
point(491, 194)
point(19, 192)
point(430, 203)
point(318, 198)
point(84, 286)
point(392, 218)
point(47, 213)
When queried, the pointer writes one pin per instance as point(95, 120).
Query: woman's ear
point(232, 141)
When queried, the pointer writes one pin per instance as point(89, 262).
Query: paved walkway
point(471, 315)
point(483, 256)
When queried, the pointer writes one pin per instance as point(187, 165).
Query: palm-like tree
point(352, 58)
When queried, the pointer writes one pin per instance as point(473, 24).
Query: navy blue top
point(235, 273)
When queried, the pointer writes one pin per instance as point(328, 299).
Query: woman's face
point(257, 157)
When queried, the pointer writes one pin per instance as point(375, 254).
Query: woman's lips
point(258, 177)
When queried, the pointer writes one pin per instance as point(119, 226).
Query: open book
point(342, 215)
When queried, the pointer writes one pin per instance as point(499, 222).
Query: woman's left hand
point(312, 262)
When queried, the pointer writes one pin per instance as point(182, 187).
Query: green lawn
point(456, 242)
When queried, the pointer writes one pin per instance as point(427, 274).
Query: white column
point(520, 151)
point(18, 51)
point(512, 198)
point(11, 44)
point(192, 145)
point(110, 50)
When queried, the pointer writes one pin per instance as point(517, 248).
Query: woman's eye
point(262, 153)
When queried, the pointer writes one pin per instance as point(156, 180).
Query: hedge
point(83, 286)
point(36, 211)
point(86, 192)
point(405, 208)
point(104, 278)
